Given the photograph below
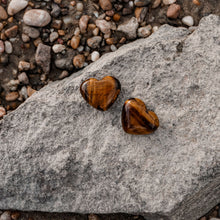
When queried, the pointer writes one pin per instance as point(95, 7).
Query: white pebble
point(58, 48)
point(188, 20)
point(8, 47)
point(79, 6)
point(113, 48)
point(168, 2)
point(95, 56)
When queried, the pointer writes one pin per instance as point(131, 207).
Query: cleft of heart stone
point(101, 94)
point(137, 119)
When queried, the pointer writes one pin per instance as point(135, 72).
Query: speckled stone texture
point(59, 154)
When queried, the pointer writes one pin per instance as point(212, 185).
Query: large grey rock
point(58, 154)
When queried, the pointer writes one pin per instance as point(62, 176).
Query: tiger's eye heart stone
point(101, 94)
point(136, 119)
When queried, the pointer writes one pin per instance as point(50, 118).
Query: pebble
point(104, 26)
point(144, 31)
point(23, 78)
point(106, 5)
point(58, 48)
point(64, 74)
point(12, 32)
point(23, 92)
point(53, 36)
point(141, 3)
point(196, 2)
point(75, 41)
point(2, 113)
point(25, 38)
point(16, 6)
point(94, 42)
point(129, 28)
point(168, 2)
point(8, 47)
point(24, 66)
point(156, 3)
point(113, 48)
point(2, 47)
point(95, 55)
point(79, 7)
point(43, 57)
point(30, 91)
point(78, 61)
point(3, 13)
point(37, 18)
point(12, 96)
point(188, 20)
point(173, 11)
point(83, 23)
point(93, 217)
point(31, 32)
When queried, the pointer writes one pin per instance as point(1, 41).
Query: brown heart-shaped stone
point(136, 119)
point(101, 94)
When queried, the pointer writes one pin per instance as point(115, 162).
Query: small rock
point(43, 57)
point(23, 92)
point(140, 13)
point(168, 2)
point(31, 32)
point(25, 38)
point(12, 96)
point(64, 74)
point(3, 13)
point(129, 28)
point(156, 3)
point(188, 20)
point(15, 215)
point(55, 10)
point(105, 4)
point(24, 66)
point(141, 3)
point(104, 26)
point(23, 78)
point(2, 46)
point(173, 11)
point(144, 31)
point(79, 7)
point(95, 56)
point(30, 91)
point(75, 41)
point(12, 32)
point(83, 23)
point(16, 6)
point(58, 48)
point(37, 17)
point(93, 217)
point(8, 47)
point(2, 113)
point(94, 42)
point(78, 61)
point(53, 36)
point(196, 2)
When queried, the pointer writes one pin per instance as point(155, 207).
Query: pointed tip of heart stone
point(101, 94)
point(136, 119)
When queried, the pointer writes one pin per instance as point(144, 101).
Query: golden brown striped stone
point(101, 94)
point(136, 119)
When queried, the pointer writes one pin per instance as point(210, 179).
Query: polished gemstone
point(137, 119)
point(101, 94)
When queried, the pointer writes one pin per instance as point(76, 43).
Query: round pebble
point(95, 56)
point(188, 20)
point(16, 6)
point(37, 18)
point(2, 113)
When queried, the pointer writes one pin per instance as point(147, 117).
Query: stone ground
point(155, 17)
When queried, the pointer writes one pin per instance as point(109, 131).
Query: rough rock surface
point(59, 154)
